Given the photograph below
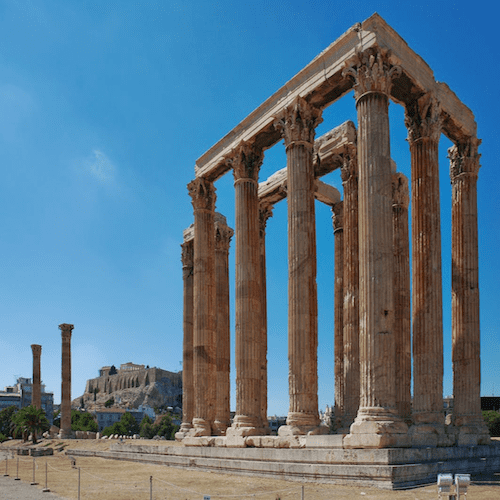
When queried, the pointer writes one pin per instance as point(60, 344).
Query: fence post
point(46, 488)
point(78, 483)
point(150, 487)
point(302, 496)
point(6, 462)
point(33, 482)
point(17, 478)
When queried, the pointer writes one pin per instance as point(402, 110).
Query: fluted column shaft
point(66, 330)
point(248, 327)
point(465, 296)
point(349, 172)
point(297, 124)
point(424, 128)
point(377, 424)
point(265, 211)
point(204, 366)
point(36, 391)
point(338, 336)
point(402, 294)
point(223, 235)
point(187, 347)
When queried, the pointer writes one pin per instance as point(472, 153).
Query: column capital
point(464, 158)
point(246, 160)
point(349, 167)
point(371, 72)
point(223, 235)
point(297, 122)
point(66, 329)
point(400, 191)
point(338, 216)
point(187, 256)
point(36, 349)
point(202, 194)
point(423, 118)
point(265, 211)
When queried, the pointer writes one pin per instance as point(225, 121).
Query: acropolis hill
point(132, 385)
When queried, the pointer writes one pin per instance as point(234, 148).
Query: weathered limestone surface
point(202, 193)
point(187, 348)
point(338, 336)
point(66, 330)
point(402, 294)
point(467, 417)
point(36, 395)
point(223, 235)
point(423, 119)
point(351, 362)
point(377, 424)
point(297, 124)
point(246, 162)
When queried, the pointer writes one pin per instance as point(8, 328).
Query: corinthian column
point(338, 294)
point(349, 173)
point(265, 211)
point(187, 347)
point(66, 330)
point(223, 235)
point(402, 294)
point(246, 162)
point(202, 193)
point(36, 387)
point(464, 168)
point(424, 129)
point(377, 424)
point(297, 124)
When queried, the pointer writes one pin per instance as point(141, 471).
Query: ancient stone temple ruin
point(380, 319)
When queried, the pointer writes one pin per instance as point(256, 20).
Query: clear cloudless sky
point(105, 107)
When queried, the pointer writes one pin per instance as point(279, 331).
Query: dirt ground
point(103, 479)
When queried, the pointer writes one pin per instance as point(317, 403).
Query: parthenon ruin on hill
point(376, 326)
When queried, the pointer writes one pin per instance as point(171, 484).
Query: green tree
point(116, 428)
point(146, 428)
point(30, 420)
point(492, 419)
point(83, 421)
point(6, 425)
point(109, 403)
point(129, 423)
point(166, 427)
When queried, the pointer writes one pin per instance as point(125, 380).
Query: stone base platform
point(390, 468)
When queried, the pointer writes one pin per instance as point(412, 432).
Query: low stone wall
point(395, 468)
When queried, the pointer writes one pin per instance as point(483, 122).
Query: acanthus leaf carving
point(187, 256)
point(371, 71)
point(223, 235)
point(349, 166)
point(423, 118)
point(464, 157)
point(202, 194)
point(298, 122)
point(400, 190)
point(246, 160)
point(338, 216)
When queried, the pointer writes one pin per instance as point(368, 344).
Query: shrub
point(492, 419)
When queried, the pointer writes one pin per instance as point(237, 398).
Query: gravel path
point(17, 490)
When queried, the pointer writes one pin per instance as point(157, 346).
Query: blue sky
point(104, 108)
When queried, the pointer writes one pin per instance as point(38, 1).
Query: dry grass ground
point(102, 479)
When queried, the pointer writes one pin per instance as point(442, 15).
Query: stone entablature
point(129, 378)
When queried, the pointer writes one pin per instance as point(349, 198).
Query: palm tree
point(30, 420)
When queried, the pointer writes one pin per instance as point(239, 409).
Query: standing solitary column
point(338, 294)
point(402, 294)
point(187, 347)
point(297, 125)
point(248, 328)
point(423, 120)
point(265, 211)
point(36, 392)
point(66, 330)
point(223, 235)
point(377, 424)
point(349, 173)
point(464, 168)
point(202, 193)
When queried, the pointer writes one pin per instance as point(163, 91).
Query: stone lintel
point(321, 83)
point(188, 233)
point(326, 193)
